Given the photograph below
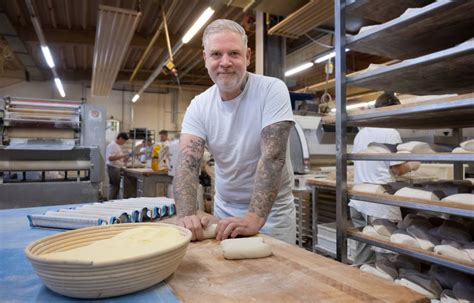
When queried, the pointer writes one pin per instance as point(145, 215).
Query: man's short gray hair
point(221, 25)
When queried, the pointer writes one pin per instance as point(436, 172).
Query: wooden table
point(145, 182)
point(292, 274)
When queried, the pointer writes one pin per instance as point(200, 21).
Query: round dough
point(131, 243)
point(245, 248)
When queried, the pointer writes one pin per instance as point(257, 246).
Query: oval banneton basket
point(103, 279)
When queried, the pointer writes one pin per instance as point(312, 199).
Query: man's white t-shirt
point(113, 149)
point(375, 172)
point(232, 130)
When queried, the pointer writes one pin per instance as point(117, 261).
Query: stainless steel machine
point(52, 152)
point(313, 144)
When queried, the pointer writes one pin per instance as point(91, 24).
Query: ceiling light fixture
point(205, 16)
point(327, 57)
point(60, 87)
point(356, 106)
point(44, 48)
point(298, 69)
point(47, 56)
point(135, 98)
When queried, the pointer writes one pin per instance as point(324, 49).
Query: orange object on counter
point(155, 159)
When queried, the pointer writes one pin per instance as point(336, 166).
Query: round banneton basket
point(103, 279)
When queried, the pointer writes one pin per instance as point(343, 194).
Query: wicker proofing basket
point(102, 279)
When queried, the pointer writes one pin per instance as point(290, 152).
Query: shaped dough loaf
point(371, 232)
point(415, 147)
point(245, 248)
point(369, 188)
point(460, 150)
point(447, 296)
point(372, 270)
point(401, 237)
point(384, 227)
point(425, 240)
point(468, 145)
point(210, 231)
point(407, 192)
point(452, 252)
point(415, 287)
point(461, 198)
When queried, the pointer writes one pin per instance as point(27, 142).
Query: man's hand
point(195, 225)
point(232, 227)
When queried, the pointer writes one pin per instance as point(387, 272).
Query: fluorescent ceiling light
point(197, 25)
point(298, 69)
point(135, 98)
point(59, 85)
point(358, 105)
point(327, 57)
point(47, 56)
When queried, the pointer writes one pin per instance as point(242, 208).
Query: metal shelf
point(413, 252)
point(382, 10)
point(436, 73)
point(453, 112)
point(437, 26)
point(437, 157)
point(445, 71)
point(421, 204)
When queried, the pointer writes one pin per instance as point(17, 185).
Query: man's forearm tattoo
point(186, 180)
point(267, 180)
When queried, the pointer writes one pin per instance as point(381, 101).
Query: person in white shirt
point(115, 159)
point(376, 172)
point(146, 150)
point(245, 120)
point(163, 135)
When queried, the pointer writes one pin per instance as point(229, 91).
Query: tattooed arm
point(186, 182)
point(273, 145)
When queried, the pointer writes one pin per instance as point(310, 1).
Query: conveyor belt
point(112, 212)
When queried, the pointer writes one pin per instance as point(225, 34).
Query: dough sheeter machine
point(52, 152)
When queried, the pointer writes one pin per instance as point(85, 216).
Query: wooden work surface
point(324, 183)
point(292, 274)
point(138, 172)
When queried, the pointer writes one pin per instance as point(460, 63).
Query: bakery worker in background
point(145, 151)
point(245, 120)
point(376, 172)
point(115, 159)
point(163, 136)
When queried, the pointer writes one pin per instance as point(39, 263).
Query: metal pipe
point(341, 119)
point(150, 45)
point(157, 71)
point(168, 42)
